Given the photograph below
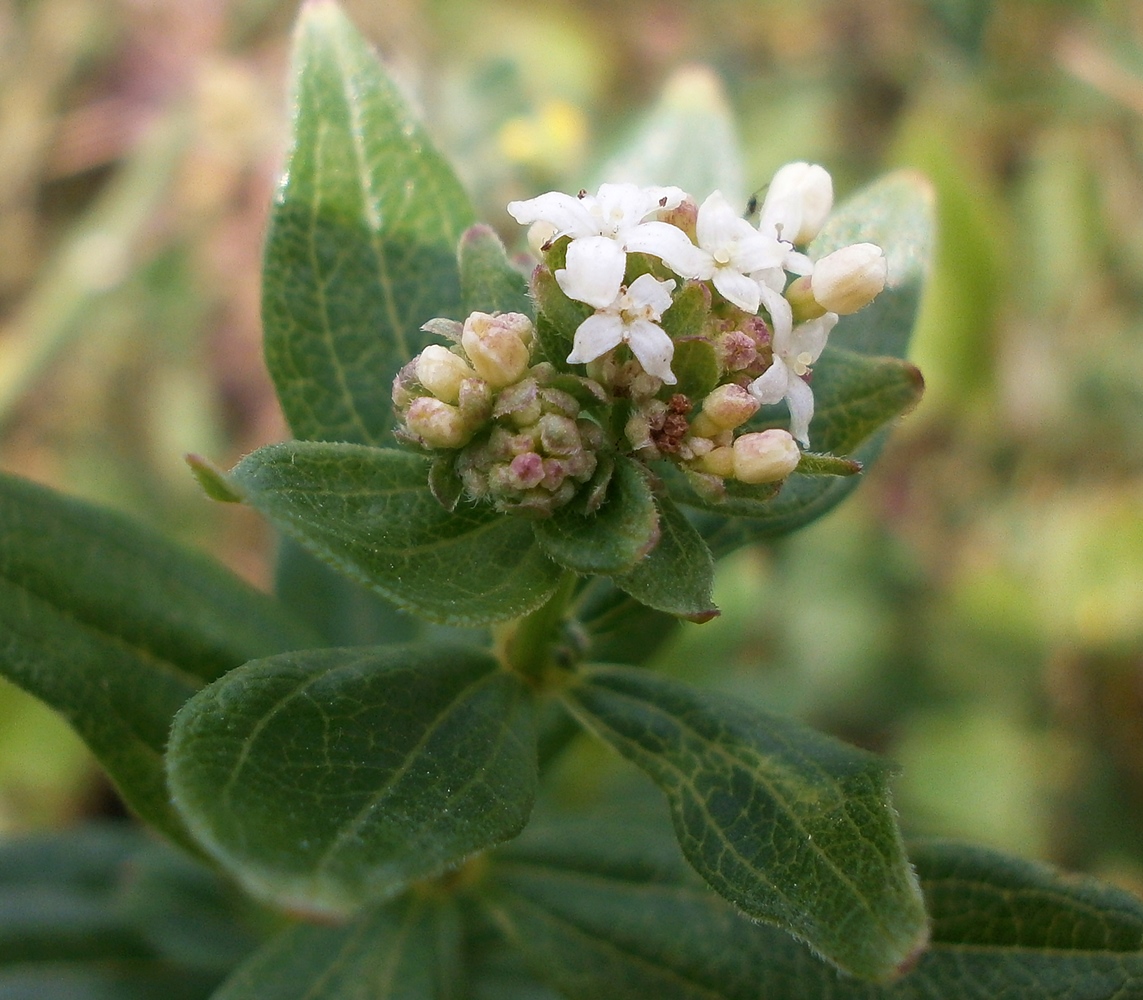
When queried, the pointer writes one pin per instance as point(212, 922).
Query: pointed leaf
point(622, 629)
point(677, 576)
point(403, 951)
point(489, 283)
point(369, 513)
point(614, 538)
point(791, 826)
point(597, 917)
point(115, 627)
point(329, 779)
point(362, 243)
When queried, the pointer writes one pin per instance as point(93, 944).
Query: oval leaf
point(677, 576)
point(369, 512)
point(115, 627)
point(791, 826)
point(329, 779)
point(612, 539)
point(595, 917)
point(362, 244)
point(403, 951)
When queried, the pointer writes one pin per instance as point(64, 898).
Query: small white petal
point(810, 337)
point(571, 216)
point(781, 315)
point(654, 349)
point(771, 385)
point(738, 288)
point(594, 271)
point(648, 291)
point(800, 399)
point(719, 226)
point(595, 336)
point(671, 245)
point(798, 202)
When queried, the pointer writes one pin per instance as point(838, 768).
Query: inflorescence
point(687, 319)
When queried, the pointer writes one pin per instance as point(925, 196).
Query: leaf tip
point(212, 479)
point(701, 617)
point(918, 948)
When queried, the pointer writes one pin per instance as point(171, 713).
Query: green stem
point(531, 645)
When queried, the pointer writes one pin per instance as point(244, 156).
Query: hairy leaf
point(791, 826)
point(612, 915)
point(115, 627)
point(488, 281)
point(362, 243)
point(405, 950)
point(611, 540)
point(369, 513)
point(330, 779)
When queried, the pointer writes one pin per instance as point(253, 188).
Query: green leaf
point(696, 366)
point(688, 139)
point(559, 317)
point(115, 627)
point(614, 538)
point(369, 513)
point(406, 950)
point(815, 464)
point(343, 611)
point(602, 916)
point(622, 629)
point(791, 826)
point(678, 574)
point(69, 927)
point(489, 283)
point(362, 244)
point(330, 779)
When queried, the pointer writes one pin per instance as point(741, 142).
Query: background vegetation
point(975, 611)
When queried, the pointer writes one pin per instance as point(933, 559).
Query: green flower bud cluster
point(520, 441)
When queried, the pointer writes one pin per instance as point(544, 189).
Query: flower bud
point(727, 407)
point(850, 278)
point(718, 462)
point(498, 346)
point(438, 424)
point(441, 372)
point(765, 457)
point(798, 202)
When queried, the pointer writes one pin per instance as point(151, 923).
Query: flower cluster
point(688, 319)
point(747, 266)
point(521, 440)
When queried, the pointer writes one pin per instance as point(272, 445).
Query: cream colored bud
point(498, 346)
point(803, 305)
point(798, 201)
point(438, 424)
point(718, 462)
point(765, 457)
point(441, 372)
point(850, 278)
point(729, 406)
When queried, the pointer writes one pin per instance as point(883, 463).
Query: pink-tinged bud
point(765, 457)
point(441, 372)
point(729, 406)
point(718, 462)
point(438, 424)
point(498, 346)
point(850, 278)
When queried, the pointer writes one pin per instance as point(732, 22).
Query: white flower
point(632, 317)
point(794, 352)
point(601, 227)
point(728, 250)
point(798, 202)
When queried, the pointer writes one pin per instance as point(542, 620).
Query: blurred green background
point(975, 611)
